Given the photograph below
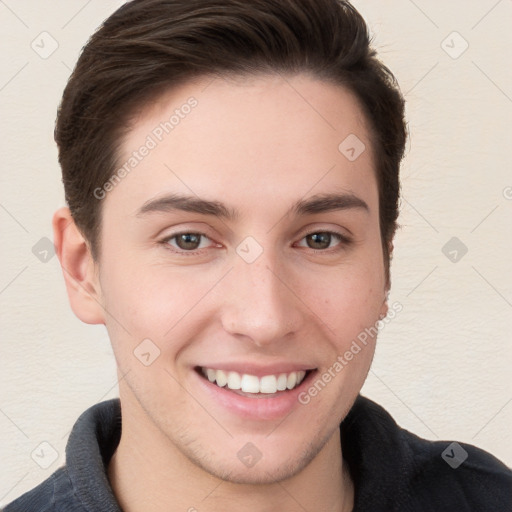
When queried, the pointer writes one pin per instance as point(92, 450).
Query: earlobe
point(391, 246)
point(385, 306)
point(78, 267)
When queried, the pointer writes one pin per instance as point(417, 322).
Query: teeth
point(281, 382)
point(268, 384)
point(234, 380)
point(221, 378)
point(292, 380)
point(250, 384)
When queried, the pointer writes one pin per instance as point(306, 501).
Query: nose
point(260, 304)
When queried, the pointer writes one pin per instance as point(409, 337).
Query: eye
point(322, 240)
point(188, 241)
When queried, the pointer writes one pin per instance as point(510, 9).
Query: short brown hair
point(149, 46)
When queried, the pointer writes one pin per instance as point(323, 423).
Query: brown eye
point(187, 241)
point(319, 240)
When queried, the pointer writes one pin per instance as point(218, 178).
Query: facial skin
point(258, 146)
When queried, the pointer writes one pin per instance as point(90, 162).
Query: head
point(244, 237)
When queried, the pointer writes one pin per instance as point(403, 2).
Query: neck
point(148, 473)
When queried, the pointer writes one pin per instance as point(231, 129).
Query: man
point(231, 171)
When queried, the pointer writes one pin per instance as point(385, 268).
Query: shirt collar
point(373, 447)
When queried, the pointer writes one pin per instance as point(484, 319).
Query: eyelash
point(343, 242)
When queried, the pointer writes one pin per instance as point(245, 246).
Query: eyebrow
point(328, 202)
point(192, 204)
point(319, 203)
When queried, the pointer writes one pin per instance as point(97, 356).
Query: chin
point(261, 474)
point(277, 467)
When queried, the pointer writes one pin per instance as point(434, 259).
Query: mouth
point(244, 384)
point(254, 393)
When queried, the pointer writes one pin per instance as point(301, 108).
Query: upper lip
point(258, 370)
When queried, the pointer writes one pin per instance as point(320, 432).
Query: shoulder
point(451, 474)
point(55, 494)
point(82, 484)
point(395, 470)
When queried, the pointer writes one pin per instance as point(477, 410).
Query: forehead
point(269, 136)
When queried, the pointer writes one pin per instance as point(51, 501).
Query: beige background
point(443, 365)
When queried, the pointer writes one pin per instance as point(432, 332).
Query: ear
point(385, 305)
point(79, 269)
point(384, 308)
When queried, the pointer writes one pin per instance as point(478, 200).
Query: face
point(240, 259)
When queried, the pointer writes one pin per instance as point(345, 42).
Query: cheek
point(348, 300)
point(351, 292)
point(150, 301)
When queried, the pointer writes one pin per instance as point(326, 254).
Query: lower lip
point(257, 408)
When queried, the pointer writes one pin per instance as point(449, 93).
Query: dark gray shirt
point(393, 470)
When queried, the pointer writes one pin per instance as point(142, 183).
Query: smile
point(251, 384)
